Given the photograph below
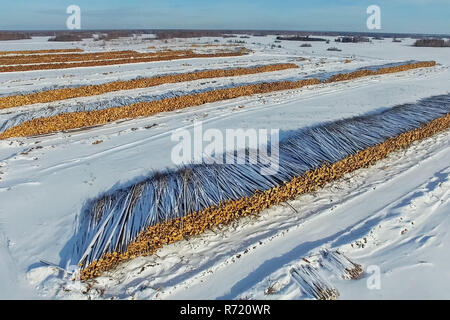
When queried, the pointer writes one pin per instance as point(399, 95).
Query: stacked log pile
point(91, 90)
point(75, 120)
point(30, 52)
point(156, 236)
point(150, 57)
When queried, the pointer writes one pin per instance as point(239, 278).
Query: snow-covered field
point(392, 218)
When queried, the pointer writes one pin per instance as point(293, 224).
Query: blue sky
point(414, 16)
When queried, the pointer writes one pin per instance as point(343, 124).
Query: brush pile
point(168, 206)
point(76, 120)
point(338, 264)
point(85, 91)
point(313, 284)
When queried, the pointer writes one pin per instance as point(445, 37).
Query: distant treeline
point(300, 38)
point(355, 39)
point(78, 36)
point(197, 33)
point(68, 37)
point(14, 35)
point(438, 43)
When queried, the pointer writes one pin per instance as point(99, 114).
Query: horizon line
point(220, 29)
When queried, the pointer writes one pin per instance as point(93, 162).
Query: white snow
point(44, 182)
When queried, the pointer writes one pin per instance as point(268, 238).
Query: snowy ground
point(393, 216)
